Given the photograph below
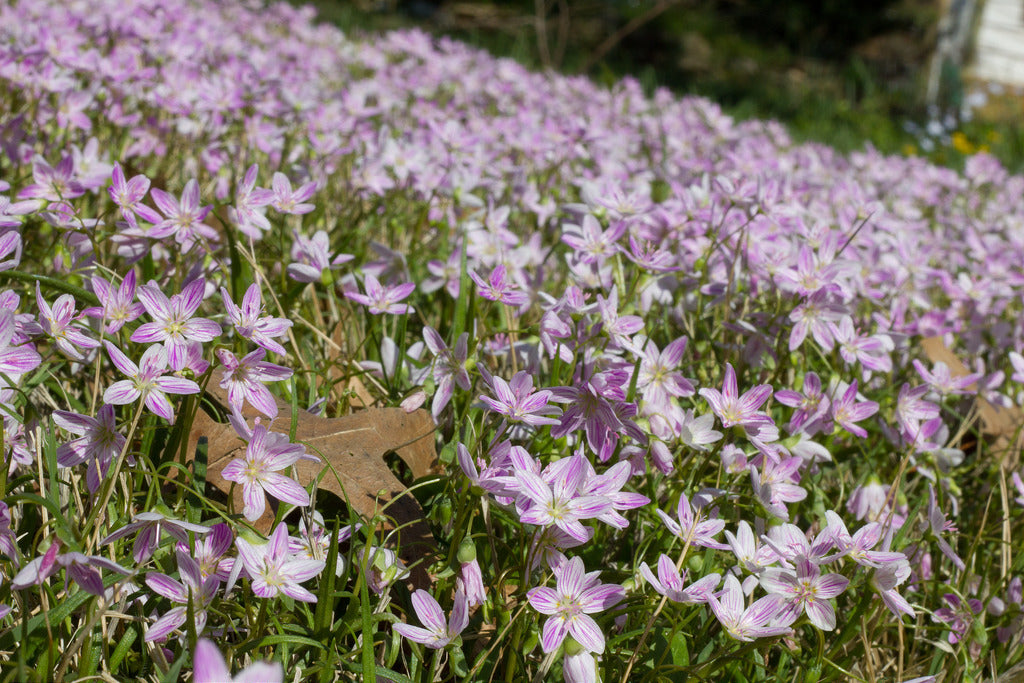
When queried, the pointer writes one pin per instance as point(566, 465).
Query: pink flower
point(449, 367)
point(312, 259)
point(174, 324)
point(99, 444)
point(670, 583)
point(693, 527)
point(128, 196)
point(380, 299)
point(251, 324)
point(274, 570)
point(258, 471)
point(733, 409)
point(210, 667)
point(858, 547)
point(518, 402)
point(805, 590)
point(82, 569)
point(561, 503)
point(497, 288)
point(290, 201)
point(939, 525)
point(437, 633)
point(8, 540)
point(147, 381)
point(847, 411)
point(57, 322)
point(575, 597)
point(912, 409)
point(749, 623)
point(885, 580)
point(197, 589)
point(15, 359)
point(184, 217)
point(619, 327)
point(117, 306)
point(53, 183)
point(589, 243)
point(810, 405)
point(247, 213)
point(659, 379)
point(872, 351)
point(244, 380)
point(471, 581)
point(149, 525)
point(959, 615)
point(10, 243)
point(942, 380)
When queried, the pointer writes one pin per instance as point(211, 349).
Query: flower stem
point(95, 519)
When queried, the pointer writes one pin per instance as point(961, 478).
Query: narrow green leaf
point(193, 499)
point(286, 639)
point(369, 665)
point(324, 615)
point(124, 645)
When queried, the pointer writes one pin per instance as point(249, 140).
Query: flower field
point(701, 404)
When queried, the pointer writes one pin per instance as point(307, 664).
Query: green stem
point(96, 514)
point(53, 283)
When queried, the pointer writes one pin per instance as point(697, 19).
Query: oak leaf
point(1002, 425)
point(352, 450)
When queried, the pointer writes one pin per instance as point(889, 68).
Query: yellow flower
point(962, 144)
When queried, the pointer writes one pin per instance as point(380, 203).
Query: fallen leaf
point(353, 449)
point(1003, 425)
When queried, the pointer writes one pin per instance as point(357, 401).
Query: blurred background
point(940, 78)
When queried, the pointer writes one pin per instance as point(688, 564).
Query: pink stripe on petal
point(284, 489)
point(121, 393)
point(121, 361)
point(303, 570)
point(177, 353)
point(415, 634)
point(165, 625)
point(278, 545)
point(191, 297)
point(570, 581)
point(428, 611)
point(176, 385)
point(831, 585)
point(252, 556)
point(155, 302)
point(587, 633)
point(202, 329)
point(157, 402)
point(149, 333)
point(533, 487)
point(821, 614)
point(167, 587)
point(255, 502)
point(543, 599)
point(554, 632)
point(297, 592)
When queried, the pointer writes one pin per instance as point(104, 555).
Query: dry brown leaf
point(1002, 424)
point(354, 446)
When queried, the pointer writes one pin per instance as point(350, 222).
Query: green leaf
point(366, 615)
point(124, 645)
point(290, 639)
point(193, 502)
point(173, 674)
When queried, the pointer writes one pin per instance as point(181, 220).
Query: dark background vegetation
point(843, 72)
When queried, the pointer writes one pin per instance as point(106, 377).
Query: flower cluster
point(691, 371)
